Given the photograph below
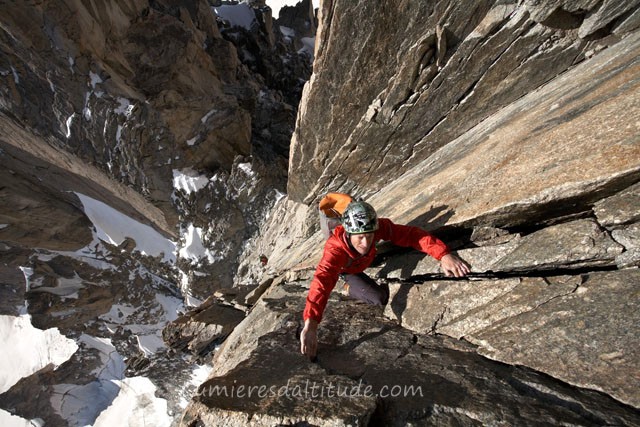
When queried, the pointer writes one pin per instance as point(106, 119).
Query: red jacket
point(339, 257)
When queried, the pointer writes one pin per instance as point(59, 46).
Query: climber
point(350, 249)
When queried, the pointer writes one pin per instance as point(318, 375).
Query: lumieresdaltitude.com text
point(309, 390)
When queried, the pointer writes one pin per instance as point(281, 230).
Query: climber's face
point(361, 242)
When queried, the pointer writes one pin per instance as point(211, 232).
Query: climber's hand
point(309, 338)
point(452, 265)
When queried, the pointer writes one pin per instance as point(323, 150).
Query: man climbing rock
point(350, 249)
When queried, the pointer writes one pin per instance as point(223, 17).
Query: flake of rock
point(608, 11)
point(588, 338)
point(459, 308)
point(429, 306)
point(574, 244)
point(269, 314)
point(629, 237)
point(630, 258)
point(483, 236)
point(201, 329)
point(619, 209)
point(627, 25)
point(252, 297)
point(481, 259)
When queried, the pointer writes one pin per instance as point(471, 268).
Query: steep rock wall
point(385, 97)
point(143, 90)
point(511, 131)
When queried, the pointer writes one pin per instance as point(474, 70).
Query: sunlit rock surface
point(372, 371)
point(145, 159)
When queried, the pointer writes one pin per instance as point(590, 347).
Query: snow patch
point(171, 306)
point(246, 168)
point(26, 350)
point(287, 32)
point(8, 420)
point(65, 288)
point(135, 405)
point(112, 399)
point(308, 46)
point(189, 180)
point(81, 404)
point(125, 108)
point(119, 313)
point(206, 117)
point(16, 77)
point(150, 344)
point(114, 227)
point(194, 249)
point(189, 300)
point(27, 272)
point(94, 79)
point(119, 135)
point(68, 124)
point(198, 376)
point(87, 111)
point(238, 15)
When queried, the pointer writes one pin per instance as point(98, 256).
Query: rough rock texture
point(370, 371)
point(582, 330)
point(302, 20)
point(201, 329)
point(139, 90)
point(509, 129)
point(113, 99)
point(452, 67)
point(113, 303)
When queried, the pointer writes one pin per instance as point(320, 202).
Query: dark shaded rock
point(301, 20)
point(483, 236)
point(199, 330)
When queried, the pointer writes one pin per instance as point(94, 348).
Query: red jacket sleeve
point(324, 280)
point(413, 237)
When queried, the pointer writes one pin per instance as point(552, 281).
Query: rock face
point(136, 105)
point(371, 371)
point(508, 128)
point(451, 71)
point(143, 91)
point(201, 329)
point(529, 171)
point(537, 160)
